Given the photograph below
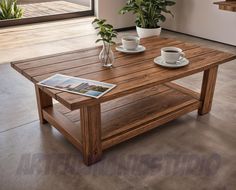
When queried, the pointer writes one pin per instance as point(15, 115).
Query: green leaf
point(148, 12)
point(9, 9)
point(105, 31)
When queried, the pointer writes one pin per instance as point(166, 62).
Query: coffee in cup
point(172, 54)
point(130, 42)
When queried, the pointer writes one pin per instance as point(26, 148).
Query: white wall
point(202, 18)
point(108, 9)
point(196, 17)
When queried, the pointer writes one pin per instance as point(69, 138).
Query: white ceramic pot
point(147, 32)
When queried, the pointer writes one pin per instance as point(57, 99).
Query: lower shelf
point(129, 116)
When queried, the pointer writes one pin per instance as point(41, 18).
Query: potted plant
point(107, 34)
point(10, 10)
point(148, 13)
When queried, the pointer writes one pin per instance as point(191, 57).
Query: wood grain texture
point(122, 118)
point(91, 133)
point(43, 101)
point(208, 88)
point(38, 9)
point(131, 72)
point(228, 5)
point(137, 130)
point(67, 128)
point(143, 99)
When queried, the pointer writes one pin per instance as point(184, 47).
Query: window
point(48, 10)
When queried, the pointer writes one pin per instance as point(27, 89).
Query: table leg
point(43, 101)
point(90, 117)
point(208, 88)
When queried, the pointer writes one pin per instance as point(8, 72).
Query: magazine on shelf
point(77, 85)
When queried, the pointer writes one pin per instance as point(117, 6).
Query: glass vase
point(106, 56)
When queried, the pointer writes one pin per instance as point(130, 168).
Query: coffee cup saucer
point(181, 63)
point(139, 49)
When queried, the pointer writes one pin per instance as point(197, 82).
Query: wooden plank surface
point(38, 9)
point(128, 116)
point(144, 127)
point(130, 73)
point(70, 131)
point(228, 5)
point(48, 33)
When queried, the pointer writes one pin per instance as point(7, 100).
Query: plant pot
point(147, 32)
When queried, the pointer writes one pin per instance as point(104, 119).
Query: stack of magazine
point(77, 85)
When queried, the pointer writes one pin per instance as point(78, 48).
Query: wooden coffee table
point(144, 97)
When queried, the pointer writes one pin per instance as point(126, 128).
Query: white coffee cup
point(130, 42)
point(172, 54)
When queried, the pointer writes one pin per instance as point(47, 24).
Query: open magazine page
point(76, 85)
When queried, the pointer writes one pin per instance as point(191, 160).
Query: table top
point(131, 72)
